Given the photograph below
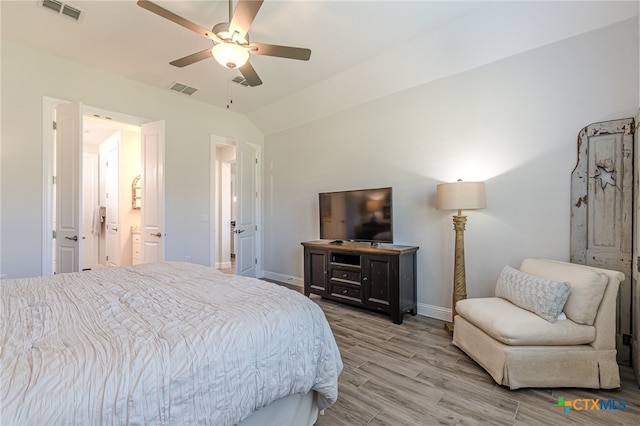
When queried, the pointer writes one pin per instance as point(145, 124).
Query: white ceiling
point(98, 129)
point(122, 38)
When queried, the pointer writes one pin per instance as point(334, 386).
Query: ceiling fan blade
point(288, 52)
point(243, 16)
point(161, 11)
point(191, 59)
point(250, 74)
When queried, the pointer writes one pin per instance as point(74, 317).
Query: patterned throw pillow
point(541, 296)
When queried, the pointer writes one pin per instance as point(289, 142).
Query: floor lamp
point(459, 196)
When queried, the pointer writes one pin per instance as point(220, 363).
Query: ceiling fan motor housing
point(223, 33)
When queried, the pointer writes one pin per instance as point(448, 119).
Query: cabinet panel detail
point(378, 271)
point(316, 271)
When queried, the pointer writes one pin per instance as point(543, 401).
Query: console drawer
point(345, 291)
point(345, 275)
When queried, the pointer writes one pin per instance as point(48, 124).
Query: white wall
point(27, 76)
point(513, 123)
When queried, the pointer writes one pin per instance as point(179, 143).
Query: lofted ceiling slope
point(361, 50)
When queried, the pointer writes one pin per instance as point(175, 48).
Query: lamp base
point(459, 280)
point(449, 327)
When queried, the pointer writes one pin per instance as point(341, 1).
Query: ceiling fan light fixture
point(230, 55)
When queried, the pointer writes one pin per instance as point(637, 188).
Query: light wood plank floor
point(411, 374)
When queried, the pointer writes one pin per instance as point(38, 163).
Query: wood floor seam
point(411, 374)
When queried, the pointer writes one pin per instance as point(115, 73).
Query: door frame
point(635, 277)
point(213, 216)
point(48, 135)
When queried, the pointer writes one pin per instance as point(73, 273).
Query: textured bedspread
point(157, 344)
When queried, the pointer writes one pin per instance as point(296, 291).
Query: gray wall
point(512, 123)
point(28, 75)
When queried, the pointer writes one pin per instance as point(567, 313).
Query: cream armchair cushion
point(520, 349)
point(512, 325)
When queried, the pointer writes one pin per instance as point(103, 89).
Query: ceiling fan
point(231, 46)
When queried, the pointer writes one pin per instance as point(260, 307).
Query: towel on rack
point(99, 215)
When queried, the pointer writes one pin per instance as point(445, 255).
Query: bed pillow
point(541, 296)
point(587, 286)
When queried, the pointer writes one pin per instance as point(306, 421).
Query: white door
point(152, 192)
point(110, 154)
point(635, 299)
point(602, 212)
point(68, 187)
point(90, 201)
point(246, 209)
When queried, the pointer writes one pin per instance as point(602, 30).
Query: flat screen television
point(357, 215)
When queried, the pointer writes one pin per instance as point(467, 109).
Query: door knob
point(159, 235)
point(239, 231)
point(114, 229)
point(74, 238)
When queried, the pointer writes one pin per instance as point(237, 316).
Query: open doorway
point(110, 211)
point(77, 221)
point(225, 206)
point(235, 206)
point(111, 203)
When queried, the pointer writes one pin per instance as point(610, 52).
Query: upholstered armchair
point(551, 324)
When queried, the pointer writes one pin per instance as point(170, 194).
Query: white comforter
point(157, 344)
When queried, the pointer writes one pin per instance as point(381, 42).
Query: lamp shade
point(461, 196)
point(230, 55)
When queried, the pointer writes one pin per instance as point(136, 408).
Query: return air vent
point(183, 88)
point(62, 9)
point(241, 81)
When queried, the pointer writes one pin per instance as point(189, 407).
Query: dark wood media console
point(380, 278)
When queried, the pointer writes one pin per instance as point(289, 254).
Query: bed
point(168, 343)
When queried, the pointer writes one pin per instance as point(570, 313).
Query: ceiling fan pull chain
point(229, 94)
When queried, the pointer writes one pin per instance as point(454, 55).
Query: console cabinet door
point(315, 271)
point(380, 276)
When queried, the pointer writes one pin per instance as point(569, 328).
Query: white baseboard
point(288, 279)
point(437, 312)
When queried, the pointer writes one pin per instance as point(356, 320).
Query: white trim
point(212, 203)
point(437, 312)
point(116, 116)
point(48, 135)
point(288, 279)
point(259, 233)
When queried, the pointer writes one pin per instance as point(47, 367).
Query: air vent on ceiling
point(62, 9)
point(241, 81)
point(183, 88)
